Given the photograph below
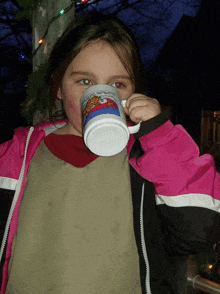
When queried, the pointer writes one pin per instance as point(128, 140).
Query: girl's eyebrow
point(86, 73)
point(121, 77)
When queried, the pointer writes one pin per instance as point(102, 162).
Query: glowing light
point(22, 56)
point(62, 11)
point(41, 41)
point(84, 1)
point(210, 266)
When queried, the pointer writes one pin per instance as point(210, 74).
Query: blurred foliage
point(26, 8)
point(37, 95)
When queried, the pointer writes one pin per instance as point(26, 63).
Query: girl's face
point(96, 64)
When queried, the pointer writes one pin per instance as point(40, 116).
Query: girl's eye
point(85, 82)
point(117, 85)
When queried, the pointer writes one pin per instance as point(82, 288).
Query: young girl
point(122, 224)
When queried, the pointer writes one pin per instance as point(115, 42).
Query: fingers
point(141, 108)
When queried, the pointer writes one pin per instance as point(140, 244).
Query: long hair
point(79, 34)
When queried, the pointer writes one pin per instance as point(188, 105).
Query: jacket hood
point(42, 129)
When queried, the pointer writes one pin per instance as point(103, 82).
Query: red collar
point(70, 148)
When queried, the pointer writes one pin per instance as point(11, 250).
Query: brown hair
point(80, 34)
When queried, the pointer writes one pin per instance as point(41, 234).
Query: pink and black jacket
point(176, 198)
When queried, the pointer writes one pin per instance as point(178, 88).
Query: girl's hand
point(141, 108)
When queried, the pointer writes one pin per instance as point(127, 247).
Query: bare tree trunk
point(41, 17)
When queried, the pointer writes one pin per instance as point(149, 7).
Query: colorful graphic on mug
point(98, 105)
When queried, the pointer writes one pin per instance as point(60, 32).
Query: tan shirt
point(75, 230)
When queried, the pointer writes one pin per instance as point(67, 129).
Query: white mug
point(105, 130)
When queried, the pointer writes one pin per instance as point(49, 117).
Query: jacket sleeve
point(187, 187)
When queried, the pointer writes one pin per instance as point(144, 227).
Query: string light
point(22, 56)
point(61, 12)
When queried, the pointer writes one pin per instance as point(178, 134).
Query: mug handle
point(133, 129)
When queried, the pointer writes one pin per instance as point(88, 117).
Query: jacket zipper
point(143, 245)
point(17, 192)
